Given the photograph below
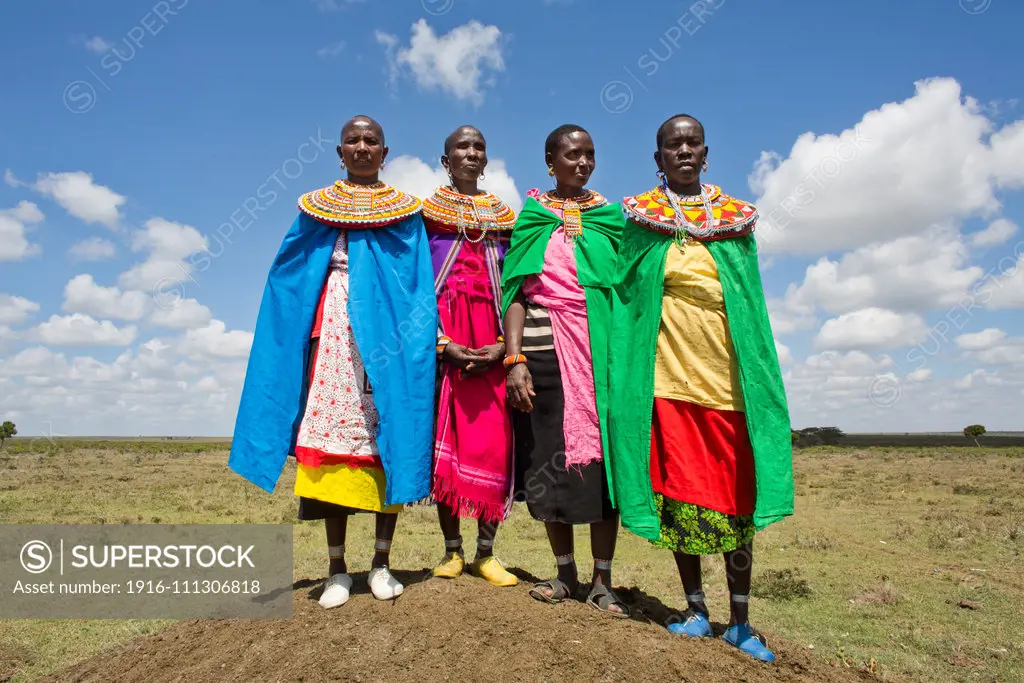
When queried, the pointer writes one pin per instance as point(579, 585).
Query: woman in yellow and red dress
point(701, 455)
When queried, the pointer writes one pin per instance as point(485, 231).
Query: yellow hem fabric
point(695, 360)
point(361, 488)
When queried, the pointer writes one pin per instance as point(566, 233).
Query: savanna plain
point(900, 564)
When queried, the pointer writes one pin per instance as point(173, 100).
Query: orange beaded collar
point(359, 206)
point(475, 217)
point(653, 209)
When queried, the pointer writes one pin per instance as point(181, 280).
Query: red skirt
point(702, 456)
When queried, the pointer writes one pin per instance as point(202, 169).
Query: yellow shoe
point(490, 568)
point(451, 567)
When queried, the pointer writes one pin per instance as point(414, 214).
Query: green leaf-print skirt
point(694, 530)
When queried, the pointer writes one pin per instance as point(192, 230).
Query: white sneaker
point(383, 585)
point(336, 591)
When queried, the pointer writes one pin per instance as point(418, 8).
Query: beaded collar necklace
point(359, 205)
point(707, 217)
point(572, 209)
point(474, 217)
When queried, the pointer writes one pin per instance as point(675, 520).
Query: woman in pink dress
point(468, 231)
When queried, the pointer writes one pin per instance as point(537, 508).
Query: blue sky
point(141, 129)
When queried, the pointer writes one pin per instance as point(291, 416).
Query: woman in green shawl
point(701, 456)
point(556, 305)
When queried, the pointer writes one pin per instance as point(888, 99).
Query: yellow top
point(696, 361)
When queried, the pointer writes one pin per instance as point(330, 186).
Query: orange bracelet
point(513, 360)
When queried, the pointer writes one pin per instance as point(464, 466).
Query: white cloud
point(14, 244)
point(81, 197)
point(982, 377)
point(790, 315)
point(26, 212)
point(332, 50)
point(871, 328)
point(36, 360)
point(187, 314)
point(1007, 155)
point(921, 374)
point(214, 341)
point(861, 393)
point(83, 295)
point(1010, 352)
point(916, 273)
point(413, 175)
point(15, 309)
point(903, 168)
point(998, 232)
point(91, 371)
point(139, 392)
point(1006, 289)
point(168, 244)
point(82, 330)
point(978, 341)
point(785, 355)
point(97, 45)
point(93, 249)
point(11, 179)
point(458, 63)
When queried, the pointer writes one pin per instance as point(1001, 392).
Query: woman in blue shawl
point(341, 372)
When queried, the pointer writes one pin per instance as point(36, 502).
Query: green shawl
point(636, 319)
point(596, 251)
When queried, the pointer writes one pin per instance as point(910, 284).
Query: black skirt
point(311, 508)
point(551, 492)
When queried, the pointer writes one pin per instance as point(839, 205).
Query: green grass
point(885, 545)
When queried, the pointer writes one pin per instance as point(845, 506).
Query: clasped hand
point(473, 361)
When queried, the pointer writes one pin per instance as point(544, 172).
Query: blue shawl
point(394, 321)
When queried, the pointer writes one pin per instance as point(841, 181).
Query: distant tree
point(7, 430)
point(973, 432)
point(820, 436)
point(794, 436)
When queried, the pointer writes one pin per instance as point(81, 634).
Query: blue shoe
point(695, 626)
point(746, 639)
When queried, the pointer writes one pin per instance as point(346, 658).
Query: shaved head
point(365, 120)
point(660, 138)
point(449, 141)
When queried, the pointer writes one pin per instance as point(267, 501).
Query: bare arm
point(519, 382)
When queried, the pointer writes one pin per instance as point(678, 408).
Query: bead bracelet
point(513, 360)
point(442, 342)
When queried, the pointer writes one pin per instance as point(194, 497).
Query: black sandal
point(602, 598)
point(560, 592)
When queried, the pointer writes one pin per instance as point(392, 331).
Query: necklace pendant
point(572, 219)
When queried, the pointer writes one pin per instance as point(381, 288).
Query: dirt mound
point(444, 630)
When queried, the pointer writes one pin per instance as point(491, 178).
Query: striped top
point(537, 335)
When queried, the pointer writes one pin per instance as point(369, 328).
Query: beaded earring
point(551, 170)
point(660, 174)
point(705, 165)
point(382, 164)
point(342, 164)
